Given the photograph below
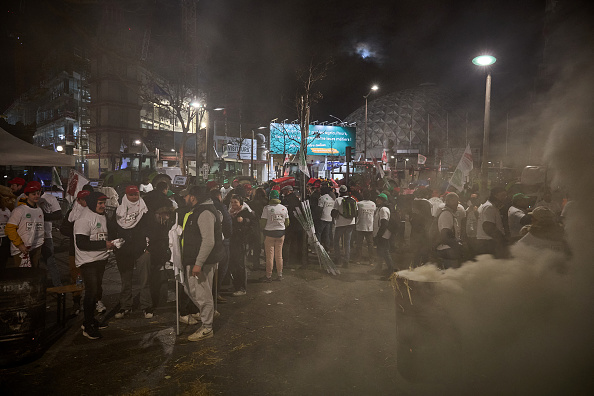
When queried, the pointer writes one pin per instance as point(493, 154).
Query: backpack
point(349, 207)
point(394, 222)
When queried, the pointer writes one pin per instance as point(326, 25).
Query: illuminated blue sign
point(322, 140)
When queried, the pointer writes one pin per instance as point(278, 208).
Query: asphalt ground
point(312, 333)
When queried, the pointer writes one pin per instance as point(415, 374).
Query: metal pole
point(252, 157)
point(196, 137)
point(365, 132)
point(506, 134)
point(428, 135)
point(485, 163)
point(447, 130)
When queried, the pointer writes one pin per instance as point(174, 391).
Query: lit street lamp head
point(484, 60)
point(374, 88)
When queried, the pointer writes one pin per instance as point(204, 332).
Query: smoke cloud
point(523, 325)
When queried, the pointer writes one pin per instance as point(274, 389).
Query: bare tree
point(306, 97)
point(183, 102)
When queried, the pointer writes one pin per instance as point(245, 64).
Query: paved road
point(312, 334)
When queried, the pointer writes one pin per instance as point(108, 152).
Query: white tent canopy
point(17, 152)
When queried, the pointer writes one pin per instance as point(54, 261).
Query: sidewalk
point(312, 333)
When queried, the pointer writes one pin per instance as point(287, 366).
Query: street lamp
point(485, 61)
point(200, 110)
point(373, 88)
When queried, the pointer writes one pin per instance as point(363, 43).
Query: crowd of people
point(219, 228)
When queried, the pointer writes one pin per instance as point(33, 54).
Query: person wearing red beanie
point(25, 229)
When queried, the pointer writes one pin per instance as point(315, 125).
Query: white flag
point(76, 181)
point(462, 170)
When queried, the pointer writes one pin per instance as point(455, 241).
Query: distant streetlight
point(60, 148)
point(485, 61)
point(373, 88)
point(137, 142)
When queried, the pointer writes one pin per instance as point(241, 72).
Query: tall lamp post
point(373, 88)
point(201, 110)
point(485, 61)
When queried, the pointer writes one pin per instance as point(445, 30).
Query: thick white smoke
point(523, 325)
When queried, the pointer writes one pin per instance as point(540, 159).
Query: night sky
point(254, 47)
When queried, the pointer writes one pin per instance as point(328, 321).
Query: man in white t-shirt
point(325, 204)
point(52, 212)
point(517, 216)
point(92, 245)
point(364, 226)
point(225, 189)
point(448, 225)
point(345, 213)
point(490, 233)
point(381, 233)
point(25, 228)
point(145, 186)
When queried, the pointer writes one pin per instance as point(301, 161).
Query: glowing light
point(484, 60)
point(203, 125)
point(137, 142)
point(365, 51)
point(60, 148)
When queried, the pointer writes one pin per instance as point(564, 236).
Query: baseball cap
point(383, 196)
point(132, 190)
point(287, 188)
point(32, 186)
point(17, 180)
point(543, 215)
point(518, 197)
point(184, 192)
point(82, 194)
point(273, 194)
point(343, 188)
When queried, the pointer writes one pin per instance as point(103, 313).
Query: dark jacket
point(227, 224)
point(135, 237)
point(292, 202)
point(257, 205)
point(314, 199)
point(193, 239)
point(155, 200)
point(242, 231)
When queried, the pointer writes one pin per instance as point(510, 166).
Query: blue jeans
point(47, 252)
point(347, 231)
point(323, 232)
point(93, 277)
point(383, 250)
